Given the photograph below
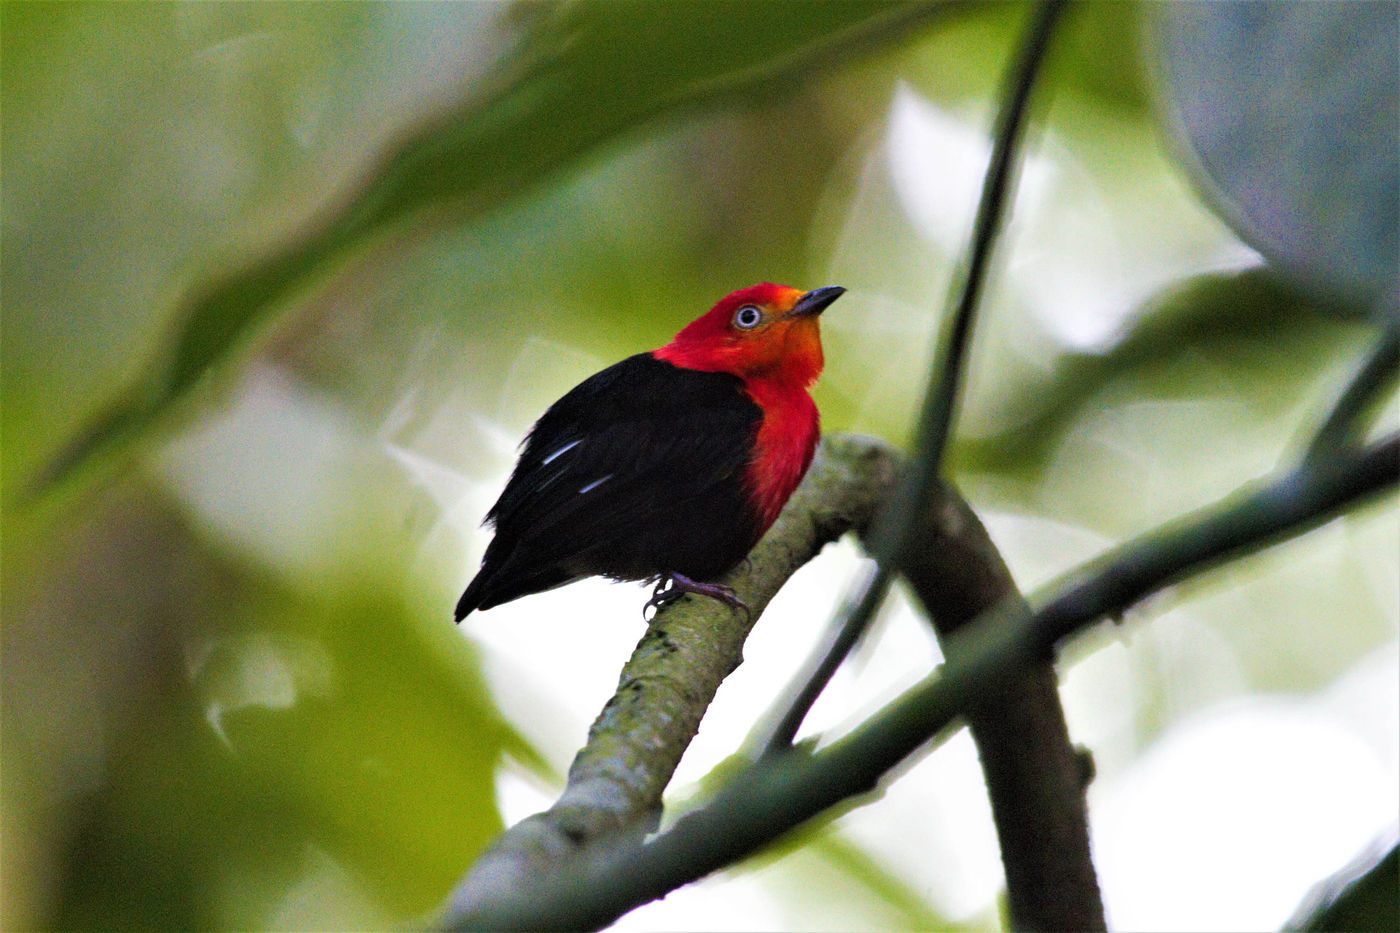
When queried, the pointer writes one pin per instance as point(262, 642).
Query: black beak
point(815, 301)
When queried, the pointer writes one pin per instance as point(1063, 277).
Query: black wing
point(637, 471)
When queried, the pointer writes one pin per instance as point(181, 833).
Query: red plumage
point(669, 465)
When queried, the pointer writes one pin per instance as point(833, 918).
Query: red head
point(766, 332)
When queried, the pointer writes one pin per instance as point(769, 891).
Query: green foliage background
point(257, 255)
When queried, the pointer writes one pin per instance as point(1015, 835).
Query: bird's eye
point(748, 317)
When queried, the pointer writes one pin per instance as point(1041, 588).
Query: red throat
point(783, 450)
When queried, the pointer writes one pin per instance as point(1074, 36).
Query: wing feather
point(642, 445)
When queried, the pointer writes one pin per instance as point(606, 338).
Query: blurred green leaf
point(1243, 323)
point(1098, 52)
point(333, 734)
point(1291, 111)
point(582, 74)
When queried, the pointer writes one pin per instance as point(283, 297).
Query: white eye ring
point(748, 317)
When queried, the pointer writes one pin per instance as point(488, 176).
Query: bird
point(668, 466)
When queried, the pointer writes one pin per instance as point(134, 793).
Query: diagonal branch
point(597, 884)
point(1345, 422)
point(616, 781)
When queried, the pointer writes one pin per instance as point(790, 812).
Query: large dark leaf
point(1288, 111)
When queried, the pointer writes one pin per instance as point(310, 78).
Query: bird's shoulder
point(643, 385)
point(642, 400)
point(639, 418)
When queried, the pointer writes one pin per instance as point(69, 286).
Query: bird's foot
point(673, 586)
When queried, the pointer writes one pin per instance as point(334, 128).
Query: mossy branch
point(616, 781)
point(589, 886)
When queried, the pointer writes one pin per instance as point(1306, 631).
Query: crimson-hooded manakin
point(670, 465)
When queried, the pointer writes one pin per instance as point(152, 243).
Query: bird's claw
point(672, 587)
point(661, 597)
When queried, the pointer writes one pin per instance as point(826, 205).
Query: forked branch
point(577, 886)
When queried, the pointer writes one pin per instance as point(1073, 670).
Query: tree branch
point(1343, 424)
point(593, 886)
point(616, 781)
point(1035, 777)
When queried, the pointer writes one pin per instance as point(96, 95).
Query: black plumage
point(639, 472)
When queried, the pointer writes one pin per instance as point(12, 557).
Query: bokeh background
point(233, 696)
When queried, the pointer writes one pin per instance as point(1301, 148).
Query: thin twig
point(784, 790)
point(1344, 423)
point(941, 400)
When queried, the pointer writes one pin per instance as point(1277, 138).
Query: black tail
point(471, 599)
point(496, 583)
point(484, 586)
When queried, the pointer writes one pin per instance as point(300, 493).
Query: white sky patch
point(1085, 246)
point(1367, 698)
point(520, 795)
point(552, 658)
point(731, 902)
point(257, 668)
point(1234, 814)
point(932, 829)
point(270, 471)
